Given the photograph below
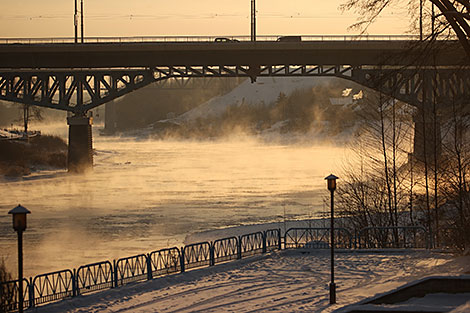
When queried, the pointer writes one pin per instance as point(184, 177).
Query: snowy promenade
point(286, 281)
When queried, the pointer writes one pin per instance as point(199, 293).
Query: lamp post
point(75, 22)
point(253, 20)
point(332, 187)
point(81, 18)
point(19, 224)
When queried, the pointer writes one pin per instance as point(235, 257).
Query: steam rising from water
point(146, 195)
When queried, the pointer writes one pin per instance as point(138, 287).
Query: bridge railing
point(196, 39)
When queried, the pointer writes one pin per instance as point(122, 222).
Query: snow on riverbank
point(265, 90)
point(249, 229)
point(286, 281)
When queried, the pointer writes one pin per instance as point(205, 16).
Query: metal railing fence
point(317, 238)
point(196, 255)
point(55, 286)
point(96, 276)
point(164, 262)
point(9, 295)
point(202, 39)
point(273, 239)
point(52, 286)
point(131, 269)
point(252, 244)
point(393, 237)
point(224, 250)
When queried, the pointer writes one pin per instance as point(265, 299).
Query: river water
point(145, 195)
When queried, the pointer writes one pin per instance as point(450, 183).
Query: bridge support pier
point(80, 152)
point(427, 139)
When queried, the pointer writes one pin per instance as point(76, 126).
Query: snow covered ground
point(265, 90)
point(286, 281)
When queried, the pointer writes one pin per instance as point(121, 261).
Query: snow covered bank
point(287, 281)
point(249, 229)
point(265, 90)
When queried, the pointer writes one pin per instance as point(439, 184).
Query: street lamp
point(332, 187)
point(19, 225)
point(253, 20)
point(75, 22)
point(81, 18)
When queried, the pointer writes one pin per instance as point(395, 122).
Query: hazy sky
point(54, 18)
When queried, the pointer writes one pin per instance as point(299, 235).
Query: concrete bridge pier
point(80, 152)
point(427, 138)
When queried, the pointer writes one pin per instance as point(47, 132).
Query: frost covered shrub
point(18, 157)
point(7, 291)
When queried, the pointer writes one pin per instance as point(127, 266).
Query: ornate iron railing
point(52, 287)
point(130, 269)
point(9, 295)
point(273, 239)
point(196, 255)
point(252, 244)
point(59, 285)
point(317, 238)
point(164, 262)
point(225, 250)
point(450, 237)
point(393, 237)
point(93, 277)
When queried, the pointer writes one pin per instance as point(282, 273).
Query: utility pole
point(75, 22)
point(253, 20)
point(81, 11)
point(421, 20)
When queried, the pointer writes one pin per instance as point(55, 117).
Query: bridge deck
point(151, 54)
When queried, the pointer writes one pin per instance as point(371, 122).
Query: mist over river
point(145, 195)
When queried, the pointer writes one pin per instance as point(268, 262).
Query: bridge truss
point(79, 91)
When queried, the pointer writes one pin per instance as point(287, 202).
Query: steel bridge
point(59, 74)
point(80, 77)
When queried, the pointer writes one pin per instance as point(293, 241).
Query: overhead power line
point(202, 16)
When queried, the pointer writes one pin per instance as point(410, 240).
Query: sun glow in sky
point(54, 18)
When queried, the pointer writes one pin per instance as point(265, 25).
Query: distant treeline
point(150, 104)
point(299, 112)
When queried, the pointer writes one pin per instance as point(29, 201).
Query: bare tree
point(378, 194)
point(456, 170)
point(453, 15)
point(30, 113)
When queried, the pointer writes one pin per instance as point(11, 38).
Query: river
point(145, 195)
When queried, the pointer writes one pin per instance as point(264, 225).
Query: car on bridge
point(289, 39)
point(225, 39)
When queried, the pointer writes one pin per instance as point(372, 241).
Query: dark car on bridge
point(225, 39)
point(289, 39)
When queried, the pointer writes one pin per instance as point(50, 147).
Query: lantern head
point(331, 182)
point(19, 217)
